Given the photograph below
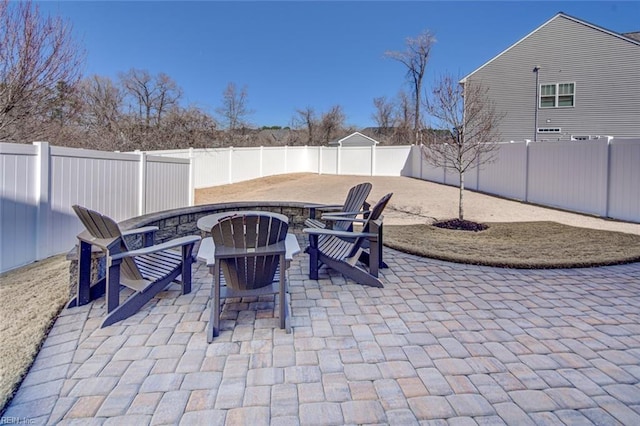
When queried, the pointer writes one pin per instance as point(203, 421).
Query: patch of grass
point(517, 245)
point(32, 297)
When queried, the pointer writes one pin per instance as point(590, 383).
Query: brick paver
point(441, 343)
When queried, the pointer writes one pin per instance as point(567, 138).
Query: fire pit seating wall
point(180, 222)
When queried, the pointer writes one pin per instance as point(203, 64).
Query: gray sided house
point(568, 79)
point(355, 139)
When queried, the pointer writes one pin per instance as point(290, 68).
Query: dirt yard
point(413, 201)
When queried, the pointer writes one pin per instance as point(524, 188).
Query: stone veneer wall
point(180, 222)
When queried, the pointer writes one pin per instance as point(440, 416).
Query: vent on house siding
point(549, 129)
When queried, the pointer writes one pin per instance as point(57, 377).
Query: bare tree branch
point(469, 124)
point(332, 122)
point(415, 58)
point(37, 53)
point(234, 110)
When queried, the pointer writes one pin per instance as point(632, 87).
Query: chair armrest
point(103, 243)
point(322, 206)
point(339, 234)
point(142, 230)
point(345, 216)
point(177, 242)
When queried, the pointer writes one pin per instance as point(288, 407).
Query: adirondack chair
point(249, 260)
point(353, 204)
point(146, 271)
point(342, 250)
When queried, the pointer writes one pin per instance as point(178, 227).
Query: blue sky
point(293, 55)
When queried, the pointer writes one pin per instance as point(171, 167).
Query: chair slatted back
point(248, 232)
point(101, 226)
point(356, 197)
point(376, 213)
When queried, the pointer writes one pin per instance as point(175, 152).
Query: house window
point(549, 129)
point(557, 95)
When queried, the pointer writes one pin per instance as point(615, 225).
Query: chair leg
point(113, 284)
point(214, 318)
point(313, 257)
point(374, 262)
point(187, 260)
point(84, 274)
point(284, 311)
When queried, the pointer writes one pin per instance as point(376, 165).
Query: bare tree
point(331, 123)
point(384, 112)
point(307, 119)
point(188, 127)
point(404, 118)
point(103, 103)
point(37, 54)
point(150, 96)
point(470, 124)
point(234, 110)
point(415, 58)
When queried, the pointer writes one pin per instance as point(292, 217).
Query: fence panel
point(569, 175)
point(624, 179)
point(429, 171)
point(507, 175)
point(167, 183)
point(245, 164)
point(106, 182)
point(18, 204)
point(313, 159)
point(329, 160)
point(392, 161)
point(355, 161)
point(40, 184)
point(273, 161)
point(297, 159)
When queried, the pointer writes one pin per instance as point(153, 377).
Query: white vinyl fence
point(220, 166)
point(39, 184)
point(598, 177)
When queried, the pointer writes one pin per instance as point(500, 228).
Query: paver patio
point(442, 342)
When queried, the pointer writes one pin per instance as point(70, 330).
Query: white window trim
point(557, 95)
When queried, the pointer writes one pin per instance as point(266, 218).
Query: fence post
point(230, 164)
point(192, 179)
point(526, 171)
point(338, 160)
point(608, 187)
point(373, 160)
point(43, 212)
point(142, 183)
point(260, 173)
point(420, 148)
point(286, 159)
point(478, 173)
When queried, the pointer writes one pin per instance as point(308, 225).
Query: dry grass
point(32, 297)
point(518, 245)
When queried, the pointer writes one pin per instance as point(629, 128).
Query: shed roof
point(340, 141)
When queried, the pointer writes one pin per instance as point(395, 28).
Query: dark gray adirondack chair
point(342, 250)
point(249, 250)
point(146, 271)
point(353, 205)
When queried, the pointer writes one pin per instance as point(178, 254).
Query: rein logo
point(16, 421)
